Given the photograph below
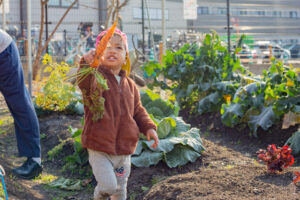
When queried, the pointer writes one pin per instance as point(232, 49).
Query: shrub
point(55, 93)
point(276, 158)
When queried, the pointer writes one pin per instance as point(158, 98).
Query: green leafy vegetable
point(294, 142)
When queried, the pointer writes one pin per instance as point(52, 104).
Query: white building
point(264, 20)
point(84, 11)
point(276, 20)
point(174, 21)
point(94, 11)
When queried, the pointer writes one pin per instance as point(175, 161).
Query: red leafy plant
point(276, 158)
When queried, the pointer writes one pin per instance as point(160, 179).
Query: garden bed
point(226, 170)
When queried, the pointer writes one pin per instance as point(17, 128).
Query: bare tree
point(40, 47)
point(110, 5)
point(113, 8)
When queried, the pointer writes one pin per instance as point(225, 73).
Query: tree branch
point(57, 25)
point(40, 48)
point(110, 9)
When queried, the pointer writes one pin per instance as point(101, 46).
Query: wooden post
point(161, 51)
point(270, 54)
point(228, 25)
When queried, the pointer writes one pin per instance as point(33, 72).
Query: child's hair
point(114, 35)
point(117, 32)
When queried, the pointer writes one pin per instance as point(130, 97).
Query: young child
point(111, 140)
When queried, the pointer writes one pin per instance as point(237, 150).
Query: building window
point(260, 13)
point(154, 13)
point(277, 13)
point(243, 12)
point(61, 3)
point(293, 14)
point(221, 11)
point(53, 2)
point(203, 11)
point(235, 11)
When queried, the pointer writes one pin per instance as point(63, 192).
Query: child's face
point(115, 53)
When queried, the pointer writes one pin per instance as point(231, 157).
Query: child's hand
point(151, 133)
point(89, 56)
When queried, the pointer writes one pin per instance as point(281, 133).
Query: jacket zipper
point(120, 93)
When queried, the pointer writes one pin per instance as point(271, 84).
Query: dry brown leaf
point(290, 119)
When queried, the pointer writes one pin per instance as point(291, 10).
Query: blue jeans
point(18, 100)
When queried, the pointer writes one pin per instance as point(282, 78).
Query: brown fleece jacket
point(117, 133)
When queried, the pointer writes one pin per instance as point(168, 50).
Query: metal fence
point(271, 28)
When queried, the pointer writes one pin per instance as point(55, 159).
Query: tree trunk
point(40, 48)
point(113, 10)
point(110, 9)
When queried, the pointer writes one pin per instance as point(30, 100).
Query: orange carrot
point(103, 44)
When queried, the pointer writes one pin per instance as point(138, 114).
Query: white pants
point(111, 173)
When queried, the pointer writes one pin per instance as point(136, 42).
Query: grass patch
point(256, 163)
point(4, 111)
point(45, 178)
point(43, 136)
point(229, 167)
point(2, 193)
point(6, 123)
point(144, 188)
point(157, 179)
point(132, 196)
point(57, 149)
point(6, 120)
point(207, 134)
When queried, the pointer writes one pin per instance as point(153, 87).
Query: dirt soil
point(226, 170)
